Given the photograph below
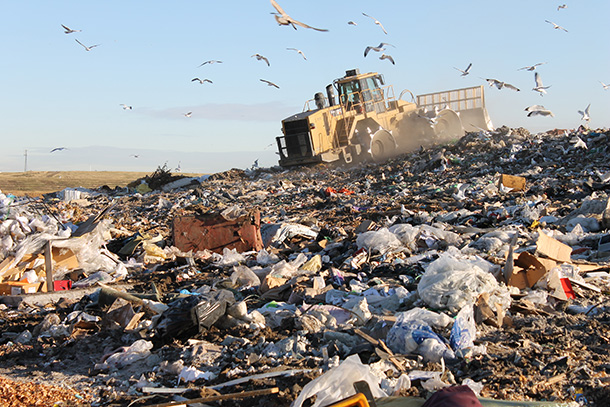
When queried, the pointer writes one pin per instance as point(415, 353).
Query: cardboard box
point(529, 269)
point(511, 182)
point(19, 287)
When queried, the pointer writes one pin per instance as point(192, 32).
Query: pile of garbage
point(483, 263)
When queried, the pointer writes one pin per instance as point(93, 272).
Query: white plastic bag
point(380, 241)
point(338, 383)
point(451, 282)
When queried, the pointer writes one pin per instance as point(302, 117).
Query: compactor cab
point(360, 118)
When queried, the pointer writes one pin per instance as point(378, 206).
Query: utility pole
point(25, 166)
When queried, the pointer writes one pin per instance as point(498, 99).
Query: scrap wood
point(383, 346)
point(229, 396)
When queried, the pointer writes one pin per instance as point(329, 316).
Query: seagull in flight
point(135, 156)
point(68, 30)
point(555, 26)
point(499, 84)
point(201, 81)
point(585, 114)
point(388, 57)
point(269, 83)
point(539, 87)
point(210, 62)
point(465, 71)
point(299, 51)
point(376, 22)
point(259, 57)
point(126, 107)
point(351, 23)
point(606, 87)
point(538, 110)
point(58, 149)
point(531, 68)
point(87, 48)
point(188, 114)
point(378, 48)
point(562, 6)
point(283, 18)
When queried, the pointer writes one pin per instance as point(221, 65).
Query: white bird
point(585, 114)
point(351, 23)
point(126, 107)
point(69, 30)
point(499, 84)
point(376, 22)
point(87, 48)
point(562, 6)
point(538, 110)
point(299, 51)
point(604, 85)
point(555, 26)
point(531, 68)
point(388, 57)
point(269, 83)
point(534, 107)
point(210, 62)
point(58, 149)
point(201, 81)
point(539, 87)
point(378, 48)
point(259, 57)
point(283, 18)
point(465, 71)
point(188, 114)
point(135, 156)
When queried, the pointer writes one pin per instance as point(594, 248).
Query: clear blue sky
point(56, 94)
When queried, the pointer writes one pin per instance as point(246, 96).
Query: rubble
point(490, 270)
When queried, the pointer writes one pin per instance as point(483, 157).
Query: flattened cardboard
point(513, 182)
point(553, 248)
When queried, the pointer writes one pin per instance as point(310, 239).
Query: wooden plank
point(48, 263)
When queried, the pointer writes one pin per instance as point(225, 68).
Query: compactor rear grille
point(296, 141)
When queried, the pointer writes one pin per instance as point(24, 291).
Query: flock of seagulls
point(534, 110)
point(284, 19)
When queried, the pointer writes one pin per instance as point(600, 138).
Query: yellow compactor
point(360, 118)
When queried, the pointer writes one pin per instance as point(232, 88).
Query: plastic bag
point(230, 257)
point(243, 277)
point(338, 383)
point(464, 331)
point(380, 241)
point(138, 350)
point(450, 282)
point(438, 320)
point(406, 337)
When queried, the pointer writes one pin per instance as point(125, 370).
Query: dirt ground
point(36, 183)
